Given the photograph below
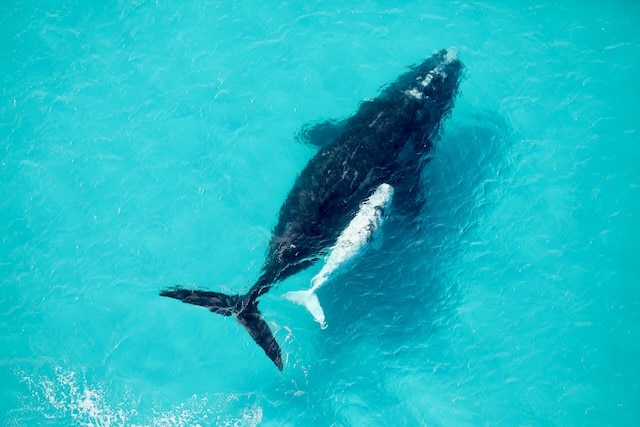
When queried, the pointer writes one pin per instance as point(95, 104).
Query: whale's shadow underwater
point(338, 200)
point(409, 286)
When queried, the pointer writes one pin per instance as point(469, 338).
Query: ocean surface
point(145, 144)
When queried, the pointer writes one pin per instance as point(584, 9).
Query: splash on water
point(69, 397)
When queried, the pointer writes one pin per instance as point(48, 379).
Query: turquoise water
point(151, 143)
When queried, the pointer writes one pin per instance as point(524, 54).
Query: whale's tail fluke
point(309, 300)
point(242, 307)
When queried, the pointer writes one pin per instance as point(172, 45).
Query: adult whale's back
point(383, 142)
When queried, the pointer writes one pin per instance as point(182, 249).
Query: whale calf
point(349, 244)
point(384, 143)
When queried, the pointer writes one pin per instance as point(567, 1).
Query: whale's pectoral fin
point(320, 134)
point(240, 306)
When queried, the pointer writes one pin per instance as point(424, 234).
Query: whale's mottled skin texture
point(383, 142)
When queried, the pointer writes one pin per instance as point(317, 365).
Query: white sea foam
point(69, 398)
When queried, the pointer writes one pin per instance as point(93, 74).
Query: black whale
point(384, 142)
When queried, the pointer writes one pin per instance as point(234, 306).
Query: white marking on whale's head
point(414, 93)
point(452, 55)
point(427, 79)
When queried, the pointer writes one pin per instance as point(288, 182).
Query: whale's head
point(434, 80)
point(426, 94)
